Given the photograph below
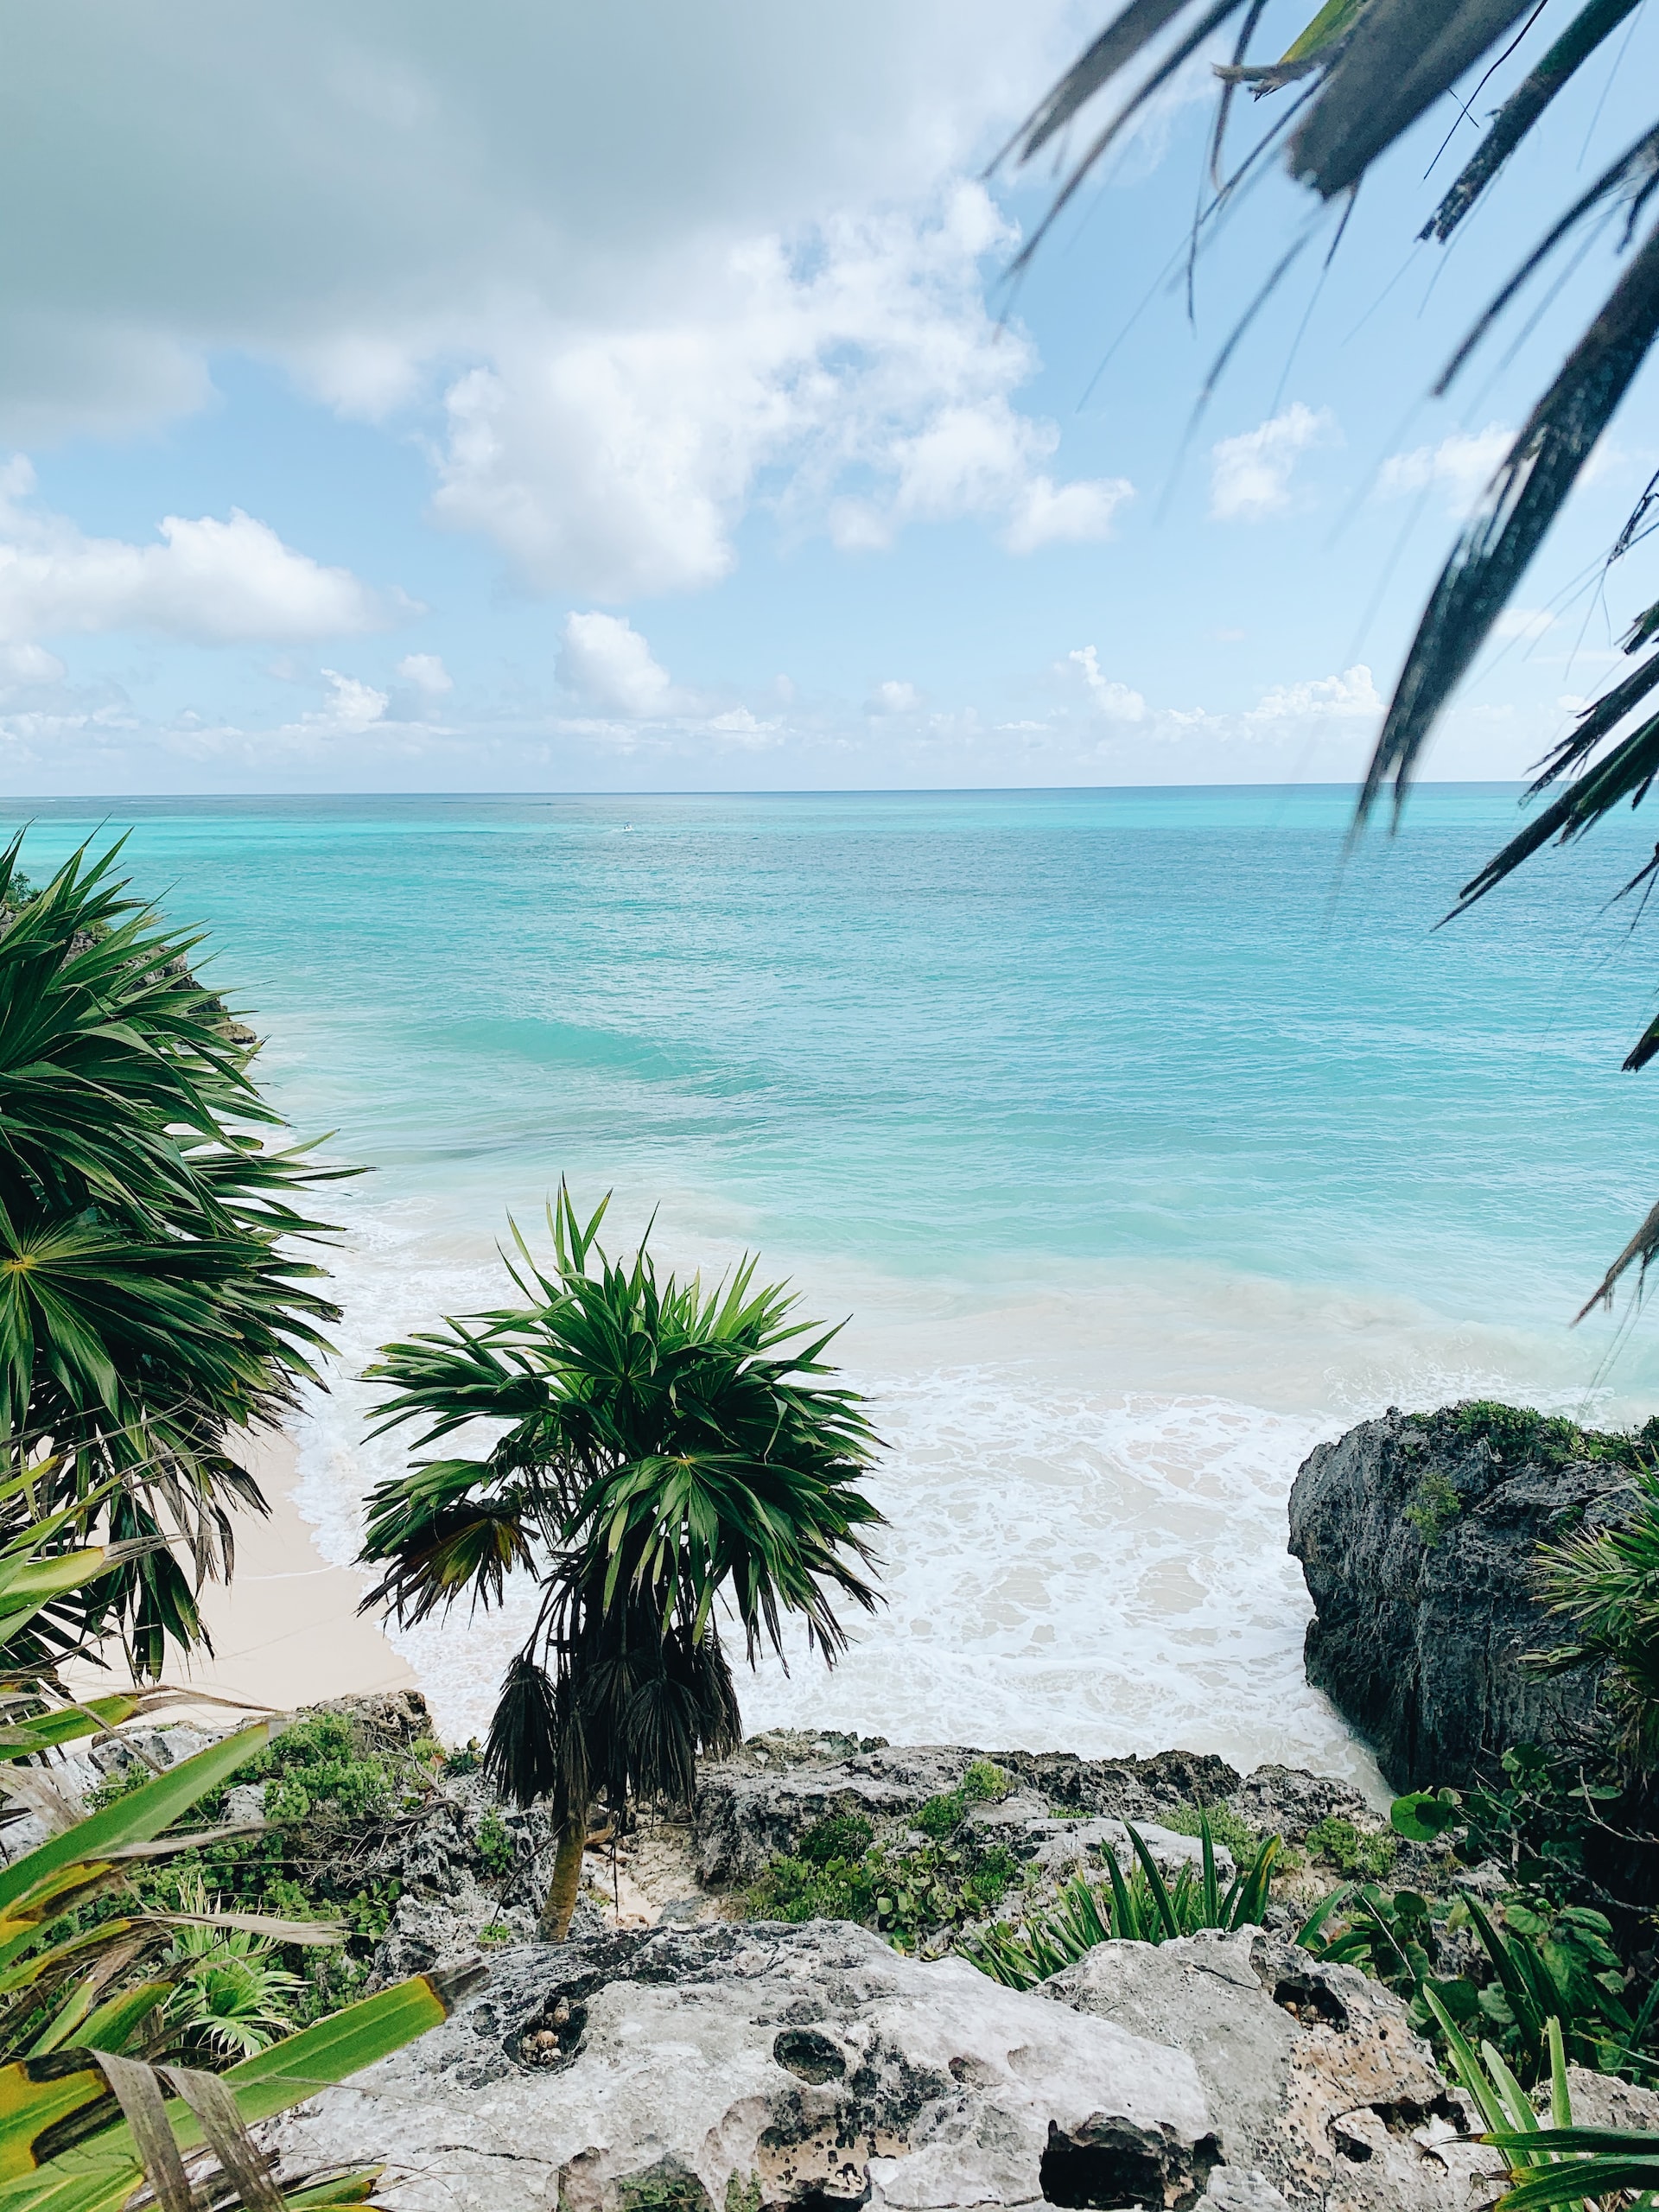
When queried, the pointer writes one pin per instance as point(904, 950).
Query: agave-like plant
point(1357, 77)
point(664, 1446)
point(152, 1305)
point(1557, 2163)
point(1142, 1908)
point(1606, 1583)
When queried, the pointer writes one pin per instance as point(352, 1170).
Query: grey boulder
point(1418, 1545)
point(1318, 2091)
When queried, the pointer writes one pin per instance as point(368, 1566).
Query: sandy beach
point(287, 1632)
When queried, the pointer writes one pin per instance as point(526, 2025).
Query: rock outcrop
point(1318, 2092)
point(764, 1801)
point(1418, 1544)
point(735, 2068)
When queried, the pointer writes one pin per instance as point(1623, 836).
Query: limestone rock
point(745, 1812)
point(1319, 2093)
point(762, 2066)
point(1417, 1543)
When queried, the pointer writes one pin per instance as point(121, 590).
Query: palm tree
point(664, 1446)
point(152, 1310)
point(1364, 72)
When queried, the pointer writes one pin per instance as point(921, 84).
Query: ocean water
point(1142, 1138)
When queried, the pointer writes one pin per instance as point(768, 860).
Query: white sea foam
point(1076, 1555)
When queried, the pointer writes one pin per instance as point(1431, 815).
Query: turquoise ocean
point(1147, 1137)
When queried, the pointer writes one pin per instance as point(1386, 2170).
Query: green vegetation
point(1229, 1831)
point(1435, 1506)
point(1607, 1585)
point(1143, 1907)
point(495, 1846)
point(913, 1896)
point(1351, 1851)
point(1548, 1955)
point(983, 1784)
point(665, 1446)
point(103, 1986)
point(334, 1794)
point(1519, 1436)
point(152, 1305)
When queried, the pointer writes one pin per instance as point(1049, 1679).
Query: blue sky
point(405, 397)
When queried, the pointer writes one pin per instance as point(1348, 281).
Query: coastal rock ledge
point(1418, 1539)
point(737, 2068)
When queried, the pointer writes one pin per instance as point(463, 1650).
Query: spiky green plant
point(1606, 1583)
point(1140, 1908)
point(152, 1306)
point(662, 1446)
point(1357, 78)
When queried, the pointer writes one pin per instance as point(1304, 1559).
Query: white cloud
point(738, 726)
point(666, 267)
point(427, 672)
point(1342, 698)
point(354, 707)
point(620, 460)
point(1250, 475)
point(1462, 463)
point(1109, 697)
point(213, 583)
point(604, 662)
point(893, 697)
point(1047, 513)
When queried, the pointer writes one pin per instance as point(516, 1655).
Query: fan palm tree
point(662, 1447)
point(151, 1308)
point(1358, 76)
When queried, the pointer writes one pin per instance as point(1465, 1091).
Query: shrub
point(838, 1835)
point(495, 1846)
point(1227, 1829)
point(1351, 1851)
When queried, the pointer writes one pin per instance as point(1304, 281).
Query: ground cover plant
point(916, 1895)
point(663, 1451)
point(339, 1796)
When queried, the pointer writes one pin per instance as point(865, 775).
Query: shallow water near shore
point(1146, 1141)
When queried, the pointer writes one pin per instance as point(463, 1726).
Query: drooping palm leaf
point(1366, 71)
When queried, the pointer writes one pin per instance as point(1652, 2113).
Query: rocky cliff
point(1417, 1536)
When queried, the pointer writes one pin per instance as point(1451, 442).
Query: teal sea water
point(1145, 1139)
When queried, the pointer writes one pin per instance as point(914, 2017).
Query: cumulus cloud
point(665, 267)
point(1250, 475)
point(353, 706)
point(1461, 465)
point(1107, 697)
point(427, 672)
point(212, 582)
point(619, 461)
point(895, 696)
point(605, 662)
point(1340, 697)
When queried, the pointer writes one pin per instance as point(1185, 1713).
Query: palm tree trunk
point(561, 1901)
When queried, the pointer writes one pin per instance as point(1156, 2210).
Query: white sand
point(286, 1631)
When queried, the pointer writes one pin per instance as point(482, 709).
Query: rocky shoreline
point(753, 2014)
